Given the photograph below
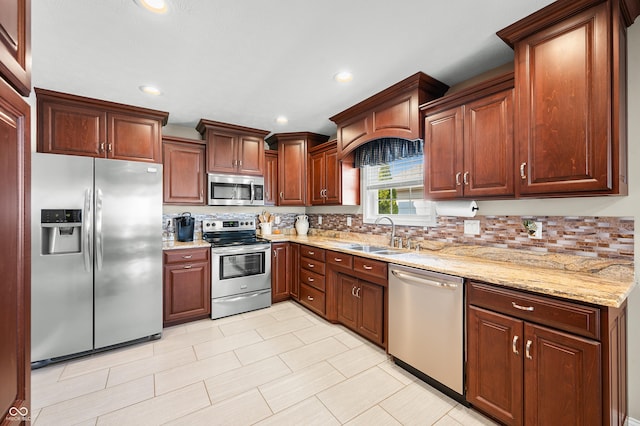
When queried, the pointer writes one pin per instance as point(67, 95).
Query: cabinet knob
point(311, 265)
point(458, 179)
point(310, 279)
point(522, 175)
point(310, 298)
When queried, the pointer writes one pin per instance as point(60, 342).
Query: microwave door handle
point(252, 192)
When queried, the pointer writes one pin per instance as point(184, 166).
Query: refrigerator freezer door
point(128, 251)
point(61, 284)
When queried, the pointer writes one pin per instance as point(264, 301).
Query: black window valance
point(386, 150)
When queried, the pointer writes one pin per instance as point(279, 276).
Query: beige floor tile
point(267, 348)
point(448, 421)
point(159, 410)
point(200, 325)
point(94, 404)
point(374, 416)
point(226, 344)
point(397, 372)
point(174, 330)
point(349, 339)
point(248, 324)
point(107, 359)
point(244, 409)
point(144, 367)
point(309, 412)
point(49, 393)
point(285, 314)
point(180, 341)
point(289, 390)
point(48, 374)
point(317, 332)
point(356, 395)
point(283, 327)
point(467, 416)
point(242, 379)
point(358, 359)
point(418, 404)
point(312, 353)
point(187, 374)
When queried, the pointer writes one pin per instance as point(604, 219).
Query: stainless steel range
point(240, 266)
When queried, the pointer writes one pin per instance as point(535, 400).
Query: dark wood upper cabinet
point(332, 181)
point(184, 171)
point(233, 149)
point(270, 178)
point(75, 125)
point(390, 113)
point(15, 262)
point(15, 44)
point(570, 97)
point(469, 142)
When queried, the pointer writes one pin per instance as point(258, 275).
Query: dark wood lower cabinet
point(280, 271)
point(187, 285)
point(360, 307)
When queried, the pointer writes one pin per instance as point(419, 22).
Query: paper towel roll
point(457, 208)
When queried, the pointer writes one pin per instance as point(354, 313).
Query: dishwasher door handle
point(420, 279)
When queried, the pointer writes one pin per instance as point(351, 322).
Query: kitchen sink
point(370, 249)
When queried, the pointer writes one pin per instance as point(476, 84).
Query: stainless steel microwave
point(234, 190)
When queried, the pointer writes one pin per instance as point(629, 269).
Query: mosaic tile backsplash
point(606, 237)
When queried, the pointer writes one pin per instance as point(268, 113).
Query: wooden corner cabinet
point(570, 97)
point(183, 171)
point(271, 178)
point(537, 360)
point(187, 285)
point(468, 139)
point(232, 148)
point(391, 113)
point(332, 181)
point(15, 44)
point(75, 125)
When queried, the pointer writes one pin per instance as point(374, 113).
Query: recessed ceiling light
point(150, 90)
point(155, 6)
point(281, 119)
point(343, 77)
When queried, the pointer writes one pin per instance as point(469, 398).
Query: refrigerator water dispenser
point(60, 231)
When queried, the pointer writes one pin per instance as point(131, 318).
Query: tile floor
point(277, 366)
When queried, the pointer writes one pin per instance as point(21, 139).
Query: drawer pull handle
point(311, 253)
point(311, 265)
point(310, 279)
point(528, 349)
point(522, 308)
point(187, 266)
point(337, 259)
point(367, 267)
point(187, 256)
point(514, 345)
point(310, 298)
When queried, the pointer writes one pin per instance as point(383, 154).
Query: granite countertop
point(173, 245)
point(605, 282)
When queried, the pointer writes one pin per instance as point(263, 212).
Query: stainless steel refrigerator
point(96, 254)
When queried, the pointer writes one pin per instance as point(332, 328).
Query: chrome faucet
point(393, 227)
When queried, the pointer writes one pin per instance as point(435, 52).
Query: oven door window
point(241, 265)
point(230, 191)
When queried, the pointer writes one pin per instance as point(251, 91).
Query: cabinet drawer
point(312, 265)
point(312, 298)
point(312, 252)
point(371, 268)
point(186, 255)
point(340, 259)
point(572, 317)
point(312, 279)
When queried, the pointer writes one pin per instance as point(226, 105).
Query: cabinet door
point(292, 173)
point(293, 270)
point(270, 179)
point(562, 377)
point(187, 292)
point(133, 138)
point(488, 146)
point(15, 239)
point(66, 128)
point(183, 172)
point(443, 154)
point(280, 278)
point(221, 152)
point(317, 177)
point(333, 178)
point(563, 90)
point(347, 301)
point(370, 319)
point(250, 155)
point(494, 365)
point(15, 44)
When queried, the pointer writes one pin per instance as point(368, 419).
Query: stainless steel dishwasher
point(426, 326)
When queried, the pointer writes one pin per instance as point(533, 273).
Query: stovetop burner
point(230, 232)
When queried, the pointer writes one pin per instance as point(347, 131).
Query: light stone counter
point(172, 245)
point(605, 282)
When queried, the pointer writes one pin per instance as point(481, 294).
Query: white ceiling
point(248, 61)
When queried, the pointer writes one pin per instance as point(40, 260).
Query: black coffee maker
point(184, 227)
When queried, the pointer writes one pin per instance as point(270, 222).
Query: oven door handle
point(248, 249)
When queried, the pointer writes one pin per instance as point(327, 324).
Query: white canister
point(302, 224)
point(265, 228)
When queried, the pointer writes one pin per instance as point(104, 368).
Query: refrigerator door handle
point(99, 237)
point(87, 220)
